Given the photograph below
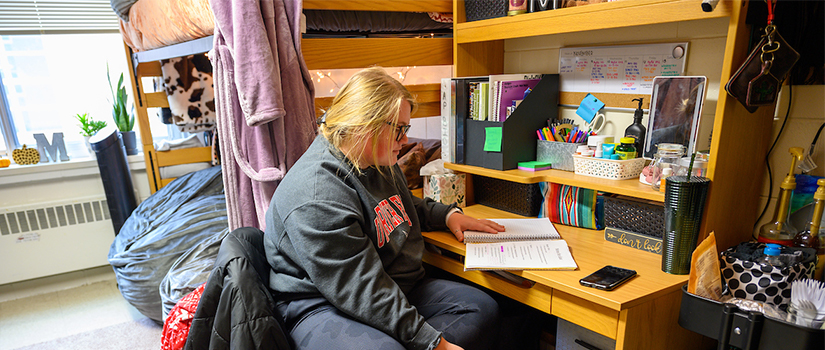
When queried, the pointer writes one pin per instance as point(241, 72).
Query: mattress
point(157, 23)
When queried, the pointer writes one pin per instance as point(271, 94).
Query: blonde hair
point(366, 102)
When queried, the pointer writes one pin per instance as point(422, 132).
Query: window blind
point(56, 16)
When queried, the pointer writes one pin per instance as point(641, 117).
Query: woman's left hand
point(458, 222)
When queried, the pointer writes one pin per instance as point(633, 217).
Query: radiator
point(45, 239)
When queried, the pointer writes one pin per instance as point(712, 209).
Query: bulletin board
point(625, 69)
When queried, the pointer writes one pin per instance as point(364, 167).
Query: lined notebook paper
point(520, 255)
point(516, 230)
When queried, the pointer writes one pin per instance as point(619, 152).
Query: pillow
point(572, 206)
point(415, 154)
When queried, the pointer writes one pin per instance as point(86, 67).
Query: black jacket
point(236, 309)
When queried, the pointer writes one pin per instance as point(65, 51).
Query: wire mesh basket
point(476, 10)
point(634, 215)
point(513, 197)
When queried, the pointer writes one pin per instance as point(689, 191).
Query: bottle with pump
point(810, 236)
point(637, 130)
point(779, 230)
point(771, 256)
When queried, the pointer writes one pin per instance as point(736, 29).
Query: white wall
point(806, 116)
point(44, 252)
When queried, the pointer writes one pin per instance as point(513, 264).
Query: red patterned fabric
point(441, 17)
point(177, 324)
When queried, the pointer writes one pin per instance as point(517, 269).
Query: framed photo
point(675, 110)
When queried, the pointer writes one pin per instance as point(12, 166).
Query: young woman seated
point(343, 237)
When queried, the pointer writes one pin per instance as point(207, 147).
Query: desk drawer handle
point(586, 345)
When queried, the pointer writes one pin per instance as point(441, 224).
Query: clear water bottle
point(770, 256)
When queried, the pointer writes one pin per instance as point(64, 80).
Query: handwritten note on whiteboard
point(627, 69)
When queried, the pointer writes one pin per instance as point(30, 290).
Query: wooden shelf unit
point(630, 187)
point(740, 139)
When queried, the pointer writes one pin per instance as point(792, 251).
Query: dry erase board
point(625, 69)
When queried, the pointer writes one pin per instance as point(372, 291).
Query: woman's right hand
point(445, 345)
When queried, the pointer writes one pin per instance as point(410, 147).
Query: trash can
point(115, 173)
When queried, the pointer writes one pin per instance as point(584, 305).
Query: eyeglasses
point(400, 130)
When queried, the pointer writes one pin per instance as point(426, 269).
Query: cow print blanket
point(189, 88)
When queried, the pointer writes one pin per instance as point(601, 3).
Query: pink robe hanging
point(264, 101)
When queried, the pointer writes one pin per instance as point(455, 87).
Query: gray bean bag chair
point(187, 214)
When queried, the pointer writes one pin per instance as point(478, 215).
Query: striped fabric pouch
point(572, 206)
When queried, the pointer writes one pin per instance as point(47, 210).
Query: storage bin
point(476, 10)
point(513, 197)
point(634, 215)
point(608, 169)
point(518, 132)
point(558, 154)
point(446, 188)
point(743, 329)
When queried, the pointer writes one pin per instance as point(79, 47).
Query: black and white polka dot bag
point(749, 280)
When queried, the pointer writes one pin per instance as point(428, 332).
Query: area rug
point(142, 334)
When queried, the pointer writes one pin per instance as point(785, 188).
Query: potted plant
point(124, 120)
point(89, 127)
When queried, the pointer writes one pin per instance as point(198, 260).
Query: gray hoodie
point(355, 240)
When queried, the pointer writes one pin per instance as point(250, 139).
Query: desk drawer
point(587, 314)
point(538, 296)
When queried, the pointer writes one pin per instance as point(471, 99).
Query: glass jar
point(668, 155)
point(700, 166)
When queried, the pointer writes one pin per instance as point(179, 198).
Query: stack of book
point(490, 98)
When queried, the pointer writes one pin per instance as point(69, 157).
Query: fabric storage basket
point(608, 169)
point(517, 198)
point(770, 284)
point(476, 10)
point(558, 154)
point(634, 215)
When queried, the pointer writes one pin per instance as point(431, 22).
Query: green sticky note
point(492, 139)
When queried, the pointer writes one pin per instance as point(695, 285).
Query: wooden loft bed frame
point(318, 54)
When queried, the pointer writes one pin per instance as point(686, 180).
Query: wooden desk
point(640, 314)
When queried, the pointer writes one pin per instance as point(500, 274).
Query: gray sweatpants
point(467, 316)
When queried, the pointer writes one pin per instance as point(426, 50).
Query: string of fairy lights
point(401, 74)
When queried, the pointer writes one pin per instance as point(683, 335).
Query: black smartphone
point(607, 278)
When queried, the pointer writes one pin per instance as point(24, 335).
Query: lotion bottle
point(637, 130)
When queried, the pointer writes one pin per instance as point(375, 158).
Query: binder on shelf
point(462, 114)
point(448, 120)
point(518, 132)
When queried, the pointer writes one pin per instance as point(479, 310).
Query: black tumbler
point(684, 203)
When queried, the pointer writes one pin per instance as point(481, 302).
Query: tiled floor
point(48, 308)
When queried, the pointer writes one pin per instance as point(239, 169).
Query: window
point(53, 57)
point(48, 79)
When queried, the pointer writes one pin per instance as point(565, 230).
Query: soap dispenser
point(779, 230)
point(637, 130)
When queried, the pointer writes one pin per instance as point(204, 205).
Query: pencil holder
point(558, 154)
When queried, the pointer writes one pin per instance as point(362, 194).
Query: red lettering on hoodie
point(382, 223)
point(393, 216)
point(387, 219)
point(396, 199)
